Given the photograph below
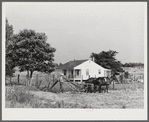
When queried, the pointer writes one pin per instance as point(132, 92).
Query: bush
point(126, 74)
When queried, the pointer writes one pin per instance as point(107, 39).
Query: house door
point(65, 72)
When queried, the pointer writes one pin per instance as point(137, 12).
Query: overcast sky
point(78, 29)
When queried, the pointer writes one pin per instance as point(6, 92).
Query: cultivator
point(75, 87)
point(90, 85)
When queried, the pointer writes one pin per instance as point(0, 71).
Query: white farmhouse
point(79, 70)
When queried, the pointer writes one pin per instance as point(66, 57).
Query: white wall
point(93, 69)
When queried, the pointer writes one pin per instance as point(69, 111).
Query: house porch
point(73, 74)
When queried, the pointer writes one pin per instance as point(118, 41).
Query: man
point(61, 82)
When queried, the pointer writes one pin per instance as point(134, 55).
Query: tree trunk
point(30, 78)
point(10, 74)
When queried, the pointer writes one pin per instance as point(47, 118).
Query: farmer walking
point(61, 82)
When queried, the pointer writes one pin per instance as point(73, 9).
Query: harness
point(105, 79)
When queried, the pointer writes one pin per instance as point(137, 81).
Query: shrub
point(126, 74)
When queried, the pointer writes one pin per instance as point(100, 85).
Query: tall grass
point(18, 97)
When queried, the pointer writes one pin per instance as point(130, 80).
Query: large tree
point(107, 60)
point(9, 33)
point(8, 60)
point(31, 52)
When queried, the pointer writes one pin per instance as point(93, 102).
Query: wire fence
point(41, 78)
point(45, 79)
point(131, 78)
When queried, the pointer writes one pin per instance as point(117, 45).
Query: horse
point(103, 81)
point(97, 83)
point(89, 84)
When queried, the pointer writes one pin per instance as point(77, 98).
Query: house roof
point(71, 64)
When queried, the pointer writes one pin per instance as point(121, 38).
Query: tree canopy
point(31, 52)
point(107, 60)
point(8, 36)
point(9, 32)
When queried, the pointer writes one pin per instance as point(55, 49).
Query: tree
point(9, 33)
point(31, 52)
point(107, 60)
point(126, 74)
point(9, 65)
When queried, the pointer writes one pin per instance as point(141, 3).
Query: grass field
point(130, 95)
point(125, 96)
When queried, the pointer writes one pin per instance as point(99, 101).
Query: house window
point(87, 72)
point(99, 71)
point(65, 71)
point(77, 72)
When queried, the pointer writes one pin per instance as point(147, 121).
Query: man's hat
point(62, 74)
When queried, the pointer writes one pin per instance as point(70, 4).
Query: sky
point(76, 29)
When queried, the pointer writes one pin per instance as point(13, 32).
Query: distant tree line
point(133, 65)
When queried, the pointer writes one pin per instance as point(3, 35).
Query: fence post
point(49, 82)
point(18, 78)
point(53, 78)
point(36, 82)
point(113, 84)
